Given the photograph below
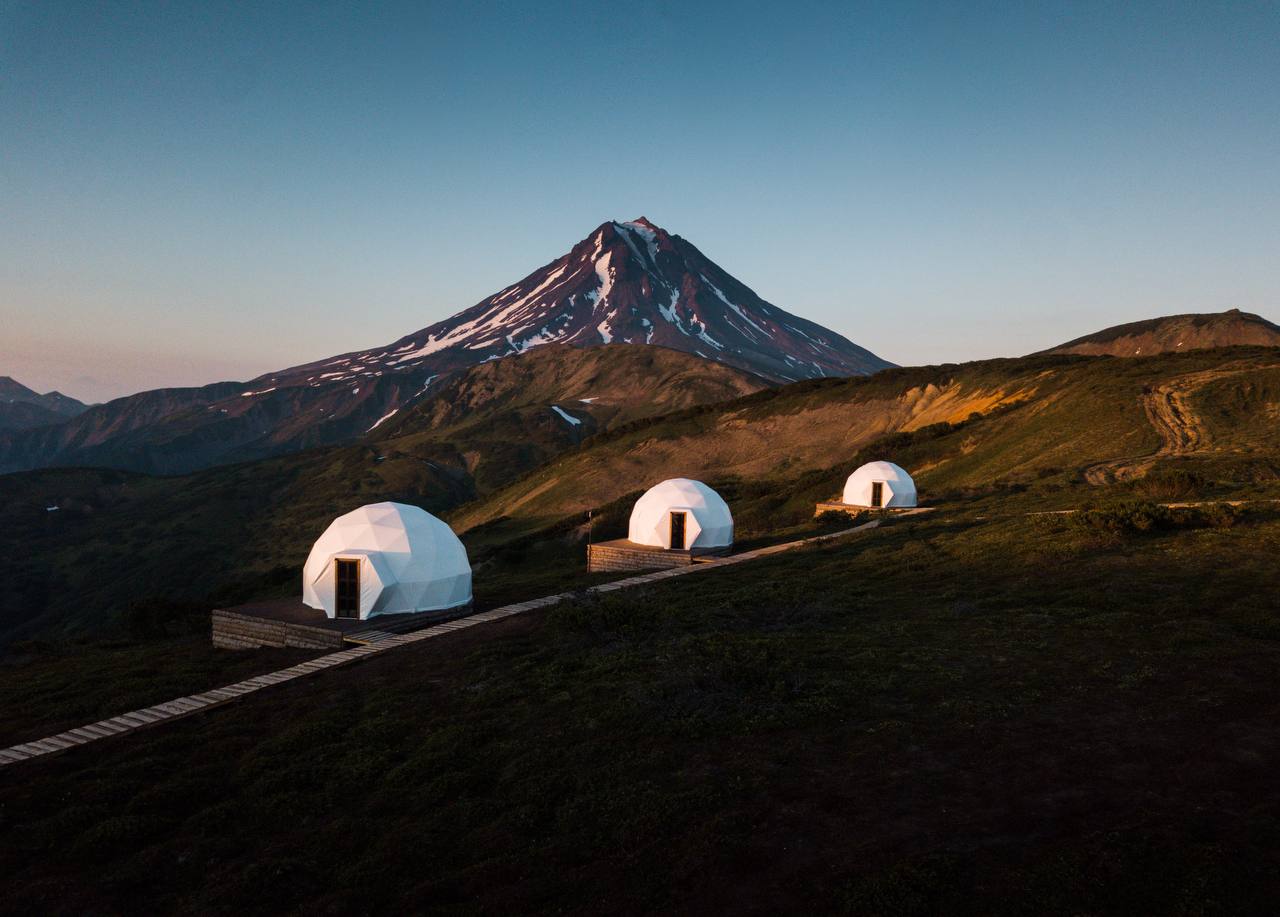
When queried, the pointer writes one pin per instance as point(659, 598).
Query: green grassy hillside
point(1010, 716)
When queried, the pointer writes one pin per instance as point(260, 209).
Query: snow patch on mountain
point(606, 274)
point(736, 308)
point(569, 418)
point(385, 417)
point(648, 235)
point(669, 311)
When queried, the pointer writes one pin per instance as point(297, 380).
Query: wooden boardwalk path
point(378, 642)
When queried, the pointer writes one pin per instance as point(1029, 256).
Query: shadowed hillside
point(81, 547)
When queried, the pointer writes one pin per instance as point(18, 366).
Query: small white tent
point(681, 514)
point(386, 558)
point(880, 484)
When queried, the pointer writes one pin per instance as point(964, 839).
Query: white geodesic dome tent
point(406, 560)
point(707, 521)
point(896, 487)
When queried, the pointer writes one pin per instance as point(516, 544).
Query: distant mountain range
point(22, 408)
point(1195, 331)
point(630, 283)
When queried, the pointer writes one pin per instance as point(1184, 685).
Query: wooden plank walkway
point(378, 642)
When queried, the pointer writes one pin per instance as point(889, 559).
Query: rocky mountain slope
point(626, 283)
point(1177, 333)
point(22, 408)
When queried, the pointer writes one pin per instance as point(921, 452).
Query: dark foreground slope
point(1011, 716)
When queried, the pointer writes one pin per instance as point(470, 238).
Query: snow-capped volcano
point(627, 282)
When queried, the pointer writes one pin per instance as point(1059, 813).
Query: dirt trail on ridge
point(1182, 431)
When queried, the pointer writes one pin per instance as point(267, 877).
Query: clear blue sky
point(191, 192)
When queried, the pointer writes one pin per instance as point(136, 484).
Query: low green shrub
point(1125, 517)
point(1170, 484)
point(1219, 515)
point(1141, 516)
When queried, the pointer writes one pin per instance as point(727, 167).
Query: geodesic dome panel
point(409, 561)
point(899, 490)
point(708, 522)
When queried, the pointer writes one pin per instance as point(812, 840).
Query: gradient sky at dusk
point(192, 192)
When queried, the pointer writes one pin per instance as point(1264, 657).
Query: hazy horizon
point(201, 192)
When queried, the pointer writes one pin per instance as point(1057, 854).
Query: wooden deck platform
point(288, 622)
point(621, 554)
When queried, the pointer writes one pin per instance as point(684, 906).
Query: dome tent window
point(671, 525)
point(383, 559)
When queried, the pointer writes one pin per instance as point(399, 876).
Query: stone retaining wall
point(233, 631)
point(606, 557)
point(839, 508)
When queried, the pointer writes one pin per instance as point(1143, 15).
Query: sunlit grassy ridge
point(1031, 425)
